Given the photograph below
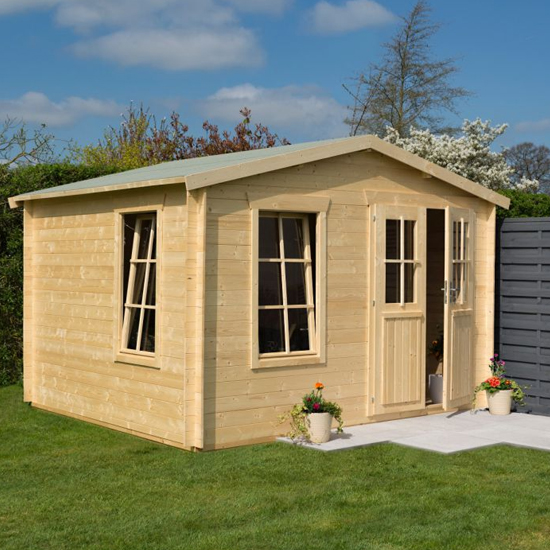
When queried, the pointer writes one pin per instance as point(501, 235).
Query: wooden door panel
point(461, 350)
point(401, 362)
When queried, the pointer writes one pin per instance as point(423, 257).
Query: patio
point(446, 433)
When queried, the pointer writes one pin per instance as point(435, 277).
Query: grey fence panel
point(522, 306)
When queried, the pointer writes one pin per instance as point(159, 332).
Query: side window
point(139, 284)
point(400, 261)
point(286, 289)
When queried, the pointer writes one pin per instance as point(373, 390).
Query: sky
point(75, 65)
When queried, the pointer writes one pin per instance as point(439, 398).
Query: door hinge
point(374, 218)
point(373, 303)
point(372, 399)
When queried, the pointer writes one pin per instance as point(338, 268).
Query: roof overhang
point(286, 159)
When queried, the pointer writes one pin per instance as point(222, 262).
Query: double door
point(398, 308)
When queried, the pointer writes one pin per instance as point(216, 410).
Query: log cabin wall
point(241, 404)
point(71, 312)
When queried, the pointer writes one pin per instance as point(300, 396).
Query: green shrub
point(15, 182)
point(525, 205)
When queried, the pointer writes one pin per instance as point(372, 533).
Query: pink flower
point(316, 407)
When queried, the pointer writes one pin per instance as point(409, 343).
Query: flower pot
point(435, 387)
point(319, 427)
point(500, 402)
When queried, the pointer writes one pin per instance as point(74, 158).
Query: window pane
point(129, 228)
point(409, 283)
point(134, 327)
point(150, 299)
point(139, 279)
point(456, 283)
point(295, 284)
point(144, 237)
point(456, 240)
point(148, 331)
point(269, 284)
point(392, 283)
point(466, 239)
point(271, 330)
point(393, 240)
point(298, 330)
point(269, 237)
point(293, 231)
point(409, 239)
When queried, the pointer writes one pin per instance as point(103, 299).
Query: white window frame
point(122, 353)
point(293, 206)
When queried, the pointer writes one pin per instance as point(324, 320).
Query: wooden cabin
point(194, 301)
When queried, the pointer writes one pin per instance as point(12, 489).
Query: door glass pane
point(293, 232)
point(148, 331)
point(393, 239)
point(454, 293)
point(269, 237)
point(409, 239)
point(456, 233)
point(393, 283)
point(295, 284)
point(298, 329)
point(271, 330)
point(409, 283)
point(464, 289)
point(466, 240)
point(144, 235)
point(269, 284)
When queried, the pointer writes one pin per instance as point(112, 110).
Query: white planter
point(319, 427)
point(435, 387)
point(500, 402)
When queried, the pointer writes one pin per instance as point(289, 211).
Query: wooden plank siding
point(242, 404)
point(71, 311)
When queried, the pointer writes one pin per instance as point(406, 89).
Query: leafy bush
point(525, 205)
point(15, 182)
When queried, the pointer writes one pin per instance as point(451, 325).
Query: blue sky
point(76, 64)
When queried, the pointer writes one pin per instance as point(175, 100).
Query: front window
point(461, 262)
point(139, 284)
point(286, 292)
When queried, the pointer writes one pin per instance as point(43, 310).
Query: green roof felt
point(181, 168)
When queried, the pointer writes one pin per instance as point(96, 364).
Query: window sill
point(137, 360)
point(289, 361)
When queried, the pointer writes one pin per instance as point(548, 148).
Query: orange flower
point(494, 382)
point(319, 386)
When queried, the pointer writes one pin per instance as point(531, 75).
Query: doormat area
point(445, 433)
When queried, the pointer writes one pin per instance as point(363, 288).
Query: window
point(461, 262)
point(139, 284)
point(286, 289)
point(400, 261)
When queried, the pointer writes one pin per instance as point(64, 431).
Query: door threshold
point(434, 408)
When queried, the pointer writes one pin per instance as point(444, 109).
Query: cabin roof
point(206, 171)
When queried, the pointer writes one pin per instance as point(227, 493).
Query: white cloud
point(166, 34)
point(542, 125)
point(36, 107)
point(326, 18)
point(305, 110)
point(199, 49)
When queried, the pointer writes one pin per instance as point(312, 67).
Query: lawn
point(70, 485)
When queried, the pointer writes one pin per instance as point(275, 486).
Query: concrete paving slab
point(446, 432)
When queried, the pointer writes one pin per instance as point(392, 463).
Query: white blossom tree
point(468, 154)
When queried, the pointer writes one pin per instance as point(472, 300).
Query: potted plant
point(500, 390)
point(435, 381)
point(311, 419)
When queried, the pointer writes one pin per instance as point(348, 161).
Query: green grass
point(66, 484)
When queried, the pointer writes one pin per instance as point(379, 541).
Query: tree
point(408, 87)
point(530, 161)
point(19, 145)
point(468, 155)
point(141, 141)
